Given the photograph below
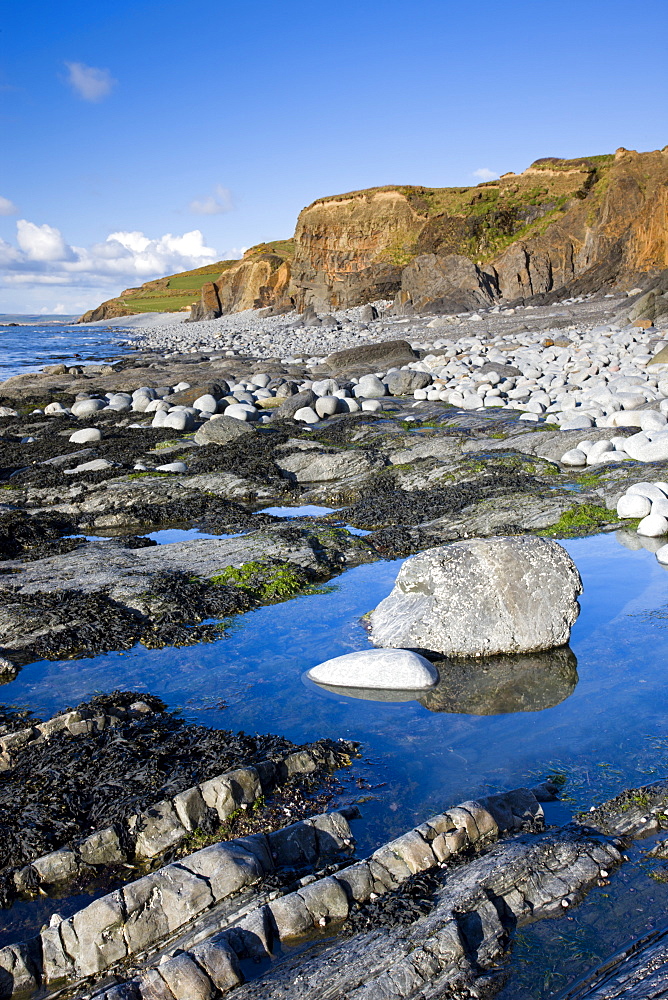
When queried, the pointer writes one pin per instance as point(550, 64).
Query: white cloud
point(7, 207)
point(214, 204)
point(90, 82)
point(43, 257)
point(42, 243)
point(485, 174)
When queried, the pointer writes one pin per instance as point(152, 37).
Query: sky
point(139, 138)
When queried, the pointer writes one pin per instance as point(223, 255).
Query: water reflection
point(498, 685)
point(492, 685)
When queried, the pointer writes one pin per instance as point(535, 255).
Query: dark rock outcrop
point(452, 284)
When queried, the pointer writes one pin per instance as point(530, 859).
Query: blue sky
point(188, 132)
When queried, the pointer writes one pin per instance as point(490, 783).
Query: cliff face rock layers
point(586, 224)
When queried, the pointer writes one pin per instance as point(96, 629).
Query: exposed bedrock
point(482, 597)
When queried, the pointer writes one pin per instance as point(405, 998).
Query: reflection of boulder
point(372, 694)
point(496, 685)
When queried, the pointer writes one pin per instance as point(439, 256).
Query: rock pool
point(602, 723)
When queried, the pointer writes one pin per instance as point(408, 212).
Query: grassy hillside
point(170, 294)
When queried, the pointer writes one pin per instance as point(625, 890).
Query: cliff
point(583, 224)
point(261, 278)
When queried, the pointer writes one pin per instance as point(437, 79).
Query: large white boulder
point(482, 597)
point(388, 669)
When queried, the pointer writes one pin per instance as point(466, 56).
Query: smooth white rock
point(172, 467)
point(86, 407)
point(574, 457)
point(326, 406)
point(576, 423)
point(649, 490)
point(206, 402)
point(370, 387)
point(662, 555)
point(85, 435)
point(96, 465)
point(389, 669)
point(660, 507)
point(654, 525)
point(242, 411)
point(633, 505)
point(179, 421)
point(652, 420)
point(372, 405)
point(598, 449)
point(307, 415)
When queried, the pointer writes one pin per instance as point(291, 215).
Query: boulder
point(296, 402)
point(403, 383)
point(370, 387)
point(389, 669)
point(371, 357)
point(482, 597)
point(221, 430)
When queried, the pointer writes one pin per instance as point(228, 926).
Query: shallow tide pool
point(598, 717)
point(605, 724)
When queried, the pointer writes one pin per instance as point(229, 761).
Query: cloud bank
point(90, 82)
point(41, 256)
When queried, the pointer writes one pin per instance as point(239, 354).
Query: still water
point(602, 722)
point(597, 716)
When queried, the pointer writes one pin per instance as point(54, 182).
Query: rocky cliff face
point(618, 229)
point(260, 279)
point(583, 224)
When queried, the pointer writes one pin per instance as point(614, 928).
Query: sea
point(27, 343)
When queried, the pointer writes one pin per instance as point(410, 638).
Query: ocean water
point(38, 340)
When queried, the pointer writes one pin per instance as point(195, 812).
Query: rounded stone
point(207, 403)
point(388, 669)
point(221, 429)
point(86, 407)
point(178, 421)
point(654, 526)
point(371, 405)
point(307, 415)
point(574, 457)
point(633, 505)
point(241, 411)
point(649, 490)
point(482, 597)
point(370, 387)
point(85, 435)
point(326, 406)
